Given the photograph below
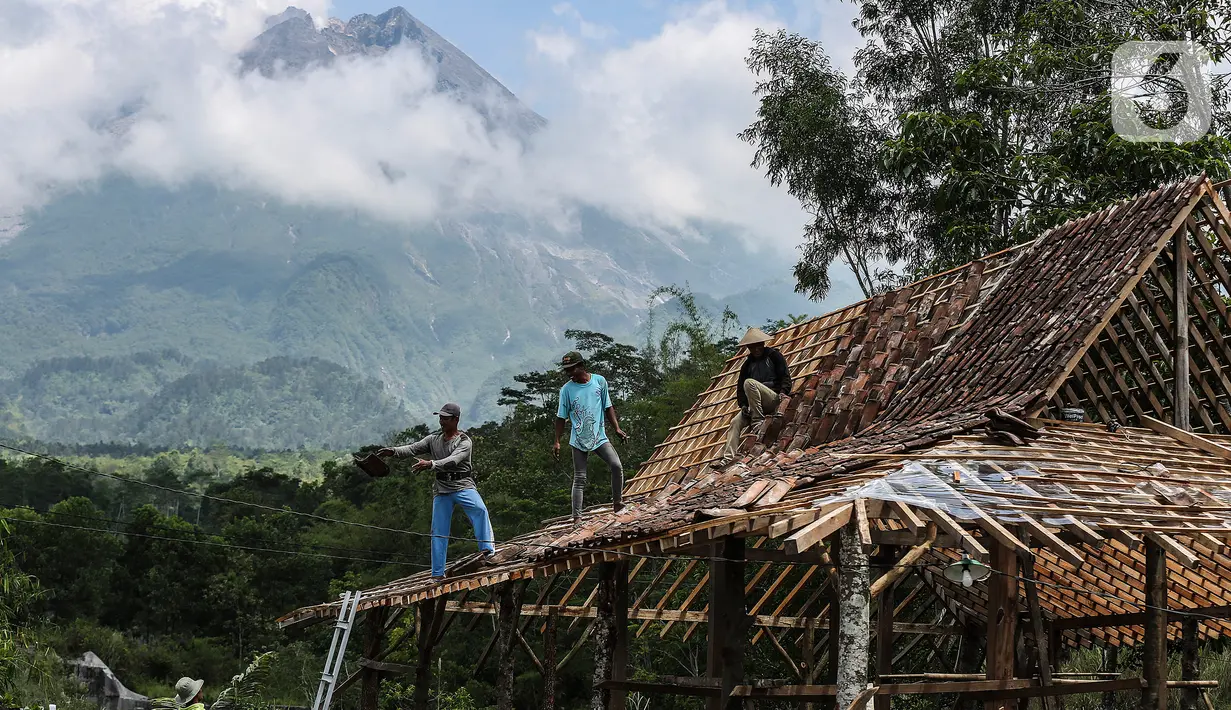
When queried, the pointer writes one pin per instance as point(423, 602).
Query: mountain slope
point(231, 278)
point(292, 43)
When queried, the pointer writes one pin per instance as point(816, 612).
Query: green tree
point(74, 557)
point(815, 136)
point(991, 119)
point(18, 594)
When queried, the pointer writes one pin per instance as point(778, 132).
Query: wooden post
point(728, 620)
point(609, 658)
point(508, 610)
point(970, 659)
point(1111, 664)
point(430, 613)
point(369, 692)
point(835, 556)
point(1042, 640)
point(1190, 663)
point(884, 623)
point(1002, 621)
point(810, 655)
point(549, 659)
point(1154, 659)
point(619, 656)
point(1180, 356)
point(854, 630)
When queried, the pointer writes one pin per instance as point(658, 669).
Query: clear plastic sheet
point(952, 486)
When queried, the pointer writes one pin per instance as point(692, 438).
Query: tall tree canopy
point(971, 126)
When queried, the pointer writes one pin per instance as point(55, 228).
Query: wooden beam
point(659, 688)
point(972, 546)
point(509, 595)
point(1190, 662)
point(884, 616)
point(605, 634)
point(816, 531)
point(906, 515)
point(831, 652)
point(1187, 437)
point(1073, 688)
point(549, 660)
point(728, 621)
point(819, 692)
point(1137, 618)
point(1055, 544)
point(619, 659)
point(771, 621)
point(1182, 554)
point(862, 526)
point(1111, 664)
point(901, 568)
point(369, 693)
point(429, 613)
point(1180, 352)
point(1002, 613)
point(906, 538)
point(1154, 658)
point(1042, 647)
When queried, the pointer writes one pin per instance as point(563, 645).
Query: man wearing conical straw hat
point(763, 380)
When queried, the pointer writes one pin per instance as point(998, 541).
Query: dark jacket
point(782, 376)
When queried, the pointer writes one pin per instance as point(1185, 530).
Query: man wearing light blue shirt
point(586, 404)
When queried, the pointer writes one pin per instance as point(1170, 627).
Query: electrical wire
point(314, 516)
point(210, 543)
point(1085, 590)
point(168, 528)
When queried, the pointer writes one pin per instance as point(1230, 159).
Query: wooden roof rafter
point(910, 378)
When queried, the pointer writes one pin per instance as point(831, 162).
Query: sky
point(645, 99)
point(499, 34)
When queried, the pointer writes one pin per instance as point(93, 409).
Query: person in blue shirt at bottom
point(586, 404)
point(449, 450)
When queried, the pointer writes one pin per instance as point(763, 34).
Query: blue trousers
point(442, 517)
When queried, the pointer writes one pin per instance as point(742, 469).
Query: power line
point(209, 543)
point(168, 528)
point(380, 528)
point(322, 518)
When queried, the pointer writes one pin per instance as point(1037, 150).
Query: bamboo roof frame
point(955, 383)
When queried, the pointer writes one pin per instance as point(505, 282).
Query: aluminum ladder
point(337, 650)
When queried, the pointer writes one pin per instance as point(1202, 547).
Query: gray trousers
point(608, 454)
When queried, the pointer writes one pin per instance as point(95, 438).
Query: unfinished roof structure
point(927, 426)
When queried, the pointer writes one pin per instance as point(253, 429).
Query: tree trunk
point(854, 616)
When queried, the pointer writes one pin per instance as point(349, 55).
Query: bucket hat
point(186, 689)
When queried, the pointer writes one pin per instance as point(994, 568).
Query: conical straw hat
point(754, 335)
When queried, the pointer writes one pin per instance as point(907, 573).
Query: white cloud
point(645, 130)
point(555, 44)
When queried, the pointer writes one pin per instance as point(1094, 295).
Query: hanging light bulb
point(967, 571)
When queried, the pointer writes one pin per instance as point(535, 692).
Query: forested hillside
point(167, 399)
point(169, 565)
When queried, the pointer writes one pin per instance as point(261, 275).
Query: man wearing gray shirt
point(449, 452)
